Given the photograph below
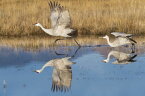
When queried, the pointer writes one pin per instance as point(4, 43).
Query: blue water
point(90, 76)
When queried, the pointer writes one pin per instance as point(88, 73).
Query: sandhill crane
point(60, 22)
point(121, 39)
point(62, 73)
point(121, 57)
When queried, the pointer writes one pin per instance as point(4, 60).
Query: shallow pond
point(72, 71)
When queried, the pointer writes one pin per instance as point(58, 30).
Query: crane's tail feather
point(133, 56)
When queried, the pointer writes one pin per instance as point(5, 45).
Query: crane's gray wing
point(54, 13)
point(61, 79)
point(64, 19)
point(121, 34)
point(66, 77)
point(56, 82)
point(59, 15)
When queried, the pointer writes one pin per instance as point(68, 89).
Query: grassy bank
point(89, 16)
point(39, 43)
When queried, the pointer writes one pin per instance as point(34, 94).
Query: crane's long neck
point(42, 27)
point(50, 63)
point(40, 70)
point(48, 31)
point(108, 41)
point(108, 57)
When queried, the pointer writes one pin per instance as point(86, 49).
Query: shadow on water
point(72, 71)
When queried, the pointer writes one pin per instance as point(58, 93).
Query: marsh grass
point(45, 42)
point(36, 43)
point(90, 17)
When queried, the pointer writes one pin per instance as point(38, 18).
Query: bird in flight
point(60, 22)
point(121, 39)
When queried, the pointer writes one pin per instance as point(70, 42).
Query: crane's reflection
point(62, 73)
point(121, 57)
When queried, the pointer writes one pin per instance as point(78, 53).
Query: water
point(72, 71)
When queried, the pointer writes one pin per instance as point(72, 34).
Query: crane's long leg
point(76, 52)
point(59, 53)
point(133, 48)
point(67, 54)
point(77, 43)
point(58, 40)
point(68, 38)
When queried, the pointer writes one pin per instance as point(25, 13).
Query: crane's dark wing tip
point(50, 4)
point(53, 4)
point(133, 56)
point(61, 88)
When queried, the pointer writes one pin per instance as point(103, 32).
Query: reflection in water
point(88, 75)
point(4, 87)
point(67, 54)
point(62, 73)
point(121, 57)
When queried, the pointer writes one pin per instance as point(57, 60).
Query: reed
point(90, 17)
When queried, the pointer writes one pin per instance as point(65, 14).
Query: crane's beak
point(74, 62)
point(100, 37)
point(35, 24)
point(103, 37)
point(104, 61)
point(36, 71)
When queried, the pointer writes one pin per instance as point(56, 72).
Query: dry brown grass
point(37, 43)
point(44, 42)
point(89, 16)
